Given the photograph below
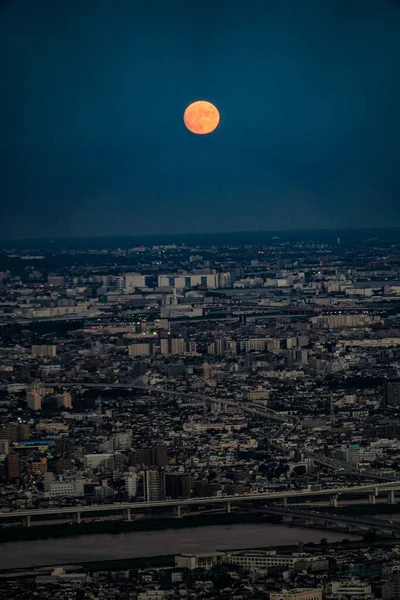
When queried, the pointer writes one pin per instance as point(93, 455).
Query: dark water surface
point(154, 543)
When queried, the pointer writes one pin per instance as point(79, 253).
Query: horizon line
point(200, 234)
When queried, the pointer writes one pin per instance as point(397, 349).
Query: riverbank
point(169, 560)
point(104, 549)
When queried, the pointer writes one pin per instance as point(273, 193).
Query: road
point(320, 517)
point(371, 490)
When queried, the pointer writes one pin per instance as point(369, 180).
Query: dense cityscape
point(153, 386)
point(199, 300)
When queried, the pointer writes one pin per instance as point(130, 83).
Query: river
point(154, 543)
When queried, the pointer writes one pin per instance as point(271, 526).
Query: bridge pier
point(228, 507)
point(26, 521)
point(334, 500)
point(391, 497)
point(371, 499)
point(284, 501)
point(77, 518)
point(177, 511)
point(127, 514)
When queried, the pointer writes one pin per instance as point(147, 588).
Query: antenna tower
point(332, 411)
point(99, 408)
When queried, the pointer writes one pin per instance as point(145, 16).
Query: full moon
point(201, 117)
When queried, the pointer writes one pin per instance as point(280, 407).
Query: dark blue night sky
point(92, 140)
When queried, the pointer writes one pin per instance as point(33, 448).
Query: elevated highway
point(323, 518)
point(372, 491)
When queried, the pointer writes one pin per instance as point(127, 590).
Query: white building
point(260, 560)
point(188, 281)
point(351, 589)
point(297, 594)
point(129, 282)
point(93, 461)
point(205, 560)
point(120, 441)
point(58, 577)
point(264, 560)
point(131, 484)
point(353, 454)
point(71, 489)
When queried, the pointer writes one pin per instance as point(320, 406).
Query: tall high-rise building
point(9, 432)
point(4, 446)
point(13, 469)
point(353, 454)
point(208, 371)
point(123, 440)
point(15, 433)
point(258, 344)
point(34, 400)
point(224, 280)
point(131, 484)
point(23, 432)
point(39, 467)
point(192, 347)
point(120, 441)
point(222, 346)
point(302, 356)
point(64, 400)
point(165, 346)
point(392, 391)
point(159, 455)
point(154, 485)
point(156, 456)
point(291, 342)
point(178, 346)
point(141, 349)
point(178, 485)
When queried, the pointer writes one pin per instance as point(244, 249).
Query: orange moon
point(201, 117)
